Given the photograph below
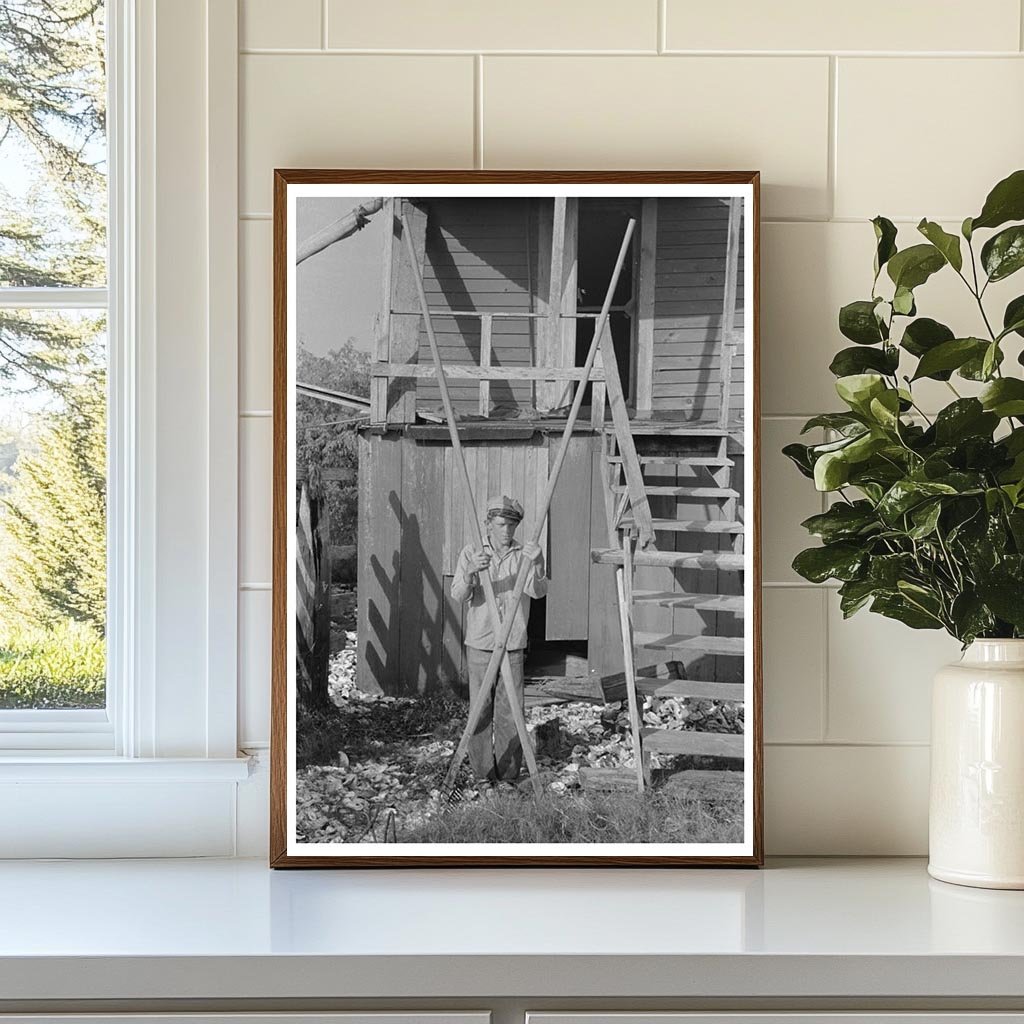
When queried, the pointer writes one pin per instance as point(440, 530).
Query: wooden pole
point(726, 345)
point(353, 221)
point(485, 577)
point(498, 655)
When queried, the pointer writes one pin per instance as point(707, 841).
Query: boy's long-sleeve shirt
point(503, 571)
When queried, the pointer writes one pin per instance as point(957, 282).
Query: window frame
point(170, 149)
point(65, 730)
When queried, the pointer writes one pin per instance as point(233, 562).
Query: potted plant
point(926, 521)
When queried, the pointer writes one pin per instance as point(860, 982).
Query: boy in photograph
point(495, 752)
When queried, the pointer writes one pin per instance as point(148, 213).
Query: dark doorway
point(602, 223)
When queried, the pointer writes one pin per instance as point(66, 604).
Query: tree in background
point(326, 434)
point(52, 531)
point(53, 120)
point(52, 381)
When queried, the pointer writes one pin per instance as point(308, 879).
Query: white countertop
point(234, 929)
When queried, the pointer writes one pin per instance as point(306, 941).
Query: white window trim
point(173, 458)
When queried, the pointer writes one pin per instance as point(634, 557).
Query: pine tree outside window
point(53, 369)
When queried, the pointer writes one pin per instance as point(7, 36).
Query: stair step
point(725, 561)
point(725, 645)
point(641, 425)
point(684, 492)
point(678, 460)
point(690, 525)
point(690, 688)
point(701, 602)
point(707, 744)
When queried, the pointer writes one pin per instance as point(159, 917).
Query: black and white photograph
point(515, 519)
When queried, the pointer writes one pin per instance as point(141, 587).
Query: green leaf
point(912, 267)
point(1004, 594)
point(966, 417)
point(843, 521)
point(854, 594)
point(885, 409)
point(858, 389)
point(907, 494)
point(993, 357)
point(1005, 202)
point(840, 561)
point(799, 455)
point(1013, 317)
point(831, 471)
point(948, 356)
point(903, 302)
point(857, 321)
point(965, 229)
point(1004, 397)
point(970, 617)
point(947, 244)
point(886, 571)
point(924, 334)
point(841, 421)
point(885, 236)
point(1003, 254)
point(856, 360)
point(925, 518)
point(975, 367)
point(899, 608)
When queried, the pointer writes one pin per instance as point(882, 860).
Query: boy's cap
point(503, 505)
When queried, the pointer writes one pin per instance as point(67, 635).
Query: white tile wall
point(907, 110)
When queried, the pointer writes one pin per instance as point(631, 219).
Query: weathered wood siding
point(481, 255)
point(689, 286)
point(413, 522)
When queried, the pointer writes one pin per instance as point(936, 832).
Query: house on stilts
point(514, 287)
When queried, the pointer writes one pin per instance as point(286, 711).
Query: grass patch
point(705, 810)
point(60, 667)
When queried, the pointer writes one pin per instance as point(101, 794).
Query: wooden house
point(514, 286)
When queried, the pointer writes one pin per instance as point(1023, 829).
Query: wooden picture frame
point(681, 332)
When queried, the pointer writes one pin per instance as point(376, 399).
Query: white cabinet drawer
point(789, 1017)
point(360, 1017)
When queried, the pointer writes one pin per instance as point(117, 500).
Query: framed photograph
point(516, 559)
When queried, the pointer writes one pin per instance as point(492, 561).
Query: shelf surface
point(234, 929)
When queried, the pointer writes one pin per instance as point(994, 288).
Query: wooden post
point(486, 323)
point(624, 593)
point(645, 307)
point(551, 241)
point(405, 313)
point(598, 397)
point(726, 346)
point(382, 324)
point(567, 311)
point(499, 655)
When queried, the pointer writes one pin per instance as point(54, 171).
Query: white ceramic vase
point(976, 814)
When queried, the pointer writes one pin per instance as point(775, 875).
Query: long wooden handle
point(525, 567)
point(497, 626)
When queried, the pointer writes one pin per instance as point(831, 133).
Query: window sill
point(78, 767)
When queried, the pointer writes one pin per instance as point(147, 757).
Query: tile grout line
point(1020, 24)
point(831, 171)
point(342, 51)
point(478, 111)
point(323, 25)
point(662, 26)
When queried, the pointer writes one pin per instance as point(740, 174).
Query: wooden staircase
point(689, 467)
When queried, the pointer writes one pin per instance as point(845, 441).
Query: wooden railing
point(486, 371)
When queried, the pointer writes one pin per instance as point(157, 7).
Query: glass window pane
point(53, 149)
point(52, 509)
